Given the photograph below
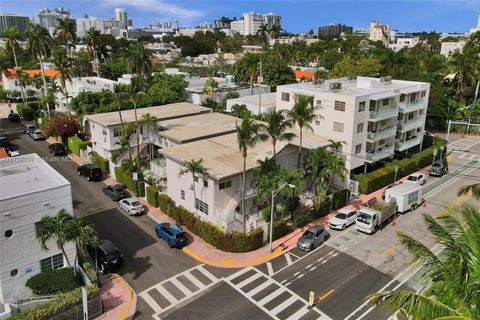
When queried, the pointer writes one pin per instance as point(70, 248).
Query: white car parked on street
point(417, 178)
point(132, 206)
point(343, 219)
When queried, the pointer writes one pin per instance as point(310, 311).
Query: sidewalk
point(119, 300)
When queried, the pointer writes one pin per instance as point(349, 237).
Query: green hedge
point(302, 220)
point(280, 228)
point(126, 177)
point(54, 281)
point(152, 196)
point(384, 176)
point(339, 199)
point(75, 144)
point(90, 272)
point(231, 242)
point(56, 306)
point(101, 162)
point(25, 111)
point(163, 202)
point(323, 210)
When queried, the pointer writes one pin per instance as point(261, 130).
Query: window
point(402, 98)
point(381, 142)
point(361, 106)
point(420, 112)
point(104, 132)
point(51, 263)
point(338, 126)
point(360, 127)
point(205, 183)
point(14, 272)
point(410, 116)
point(373, 105)
point(413, 97)
point(383, 122)
point(358, 148)
point(182, 194)
point(38, 227)
point(200, 205)
point(224, 184)
point(117, 132)
point(285, 96)
point(385, 102)
point(424, 93)
point(340, 105)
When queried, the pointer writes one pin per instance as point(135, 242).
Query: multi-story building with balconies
point(374, 117)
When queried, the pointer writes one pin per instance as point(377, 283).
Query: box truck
point(374, 215)
point(407, 196)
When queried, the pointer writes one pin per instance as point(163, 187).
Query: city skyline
point(440, 16)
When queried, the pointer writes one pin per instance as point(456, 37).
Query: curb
point(127, 312)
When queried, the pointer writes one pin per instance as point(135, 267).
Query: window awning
point(384, 95)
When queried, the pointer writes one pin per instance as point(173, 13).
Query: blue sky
point(297, 15)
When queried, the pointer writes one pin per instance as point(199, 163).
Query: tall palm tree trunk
point(244, 217)
point(14, 57)
point(65, 255)
point(194, 195)
point(44, 84)
point(138, 133)
point(66, 98)
point(300, 147)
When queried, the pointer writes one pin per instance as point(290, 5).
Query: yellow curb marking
point(232, 262)
point(388, 250)
point(323, 297)
point(124, 309)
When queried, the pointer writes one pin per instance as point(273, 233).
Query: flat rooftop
point(165, 112)
point(196, 85)
point(27, 174)
point(201, 126)
point(266, 99)
point(222, 157)
point(361, 86)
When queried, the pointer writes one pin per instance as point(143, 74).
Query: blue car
point(172, 233)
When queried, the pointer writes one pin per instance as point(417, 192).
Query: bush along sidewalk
point(126, 178)
point(384, 176)
point(213, 235)
point(101, 162)
point(152, 196)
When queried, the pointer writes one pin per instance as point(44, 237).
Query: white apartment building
point(121, 15)
point(256, 104)
point(218, 193)
point(50, 18)
point(250, 23)
point(102, 25)
point(374, 117)
point(404, 43)
point(105, 128)
point(380, 32)
point(29, 190)
point(449, 48)
point(10, 78)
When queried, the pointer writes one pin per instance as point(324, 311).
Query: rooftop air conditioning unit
point(334, 86)
point(386, 80)
point(351, 78)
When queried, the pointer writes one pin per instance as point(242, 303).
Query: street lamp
point(435, 151)
point(441, 151)
point(274, 193)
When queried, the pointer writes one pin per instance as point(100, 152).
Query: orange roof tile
point(3, 153)
point(11, 73)
point(300, 74)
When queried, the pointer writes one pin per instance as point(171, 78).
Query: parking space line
point(387, 251)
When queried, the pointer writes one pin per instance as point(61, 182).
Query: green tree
point(119, 97)
point(128, 129)
point(263, 33)
point(240, 110)
point(11, 37)
point(333, 167)
point(248, 135)
point(195, 168)
point(275, 31)
point(367, 66)
point(167, 88)
point(81, 64)
point(460, 65)
point(150, 122)
point(211, 87)
point(302, 114)
point(336, 146)
point(139, 60)
point(23, 81)
point(66, 32)
point(314, 168)
point(451, 276)
point(63, 64)
point(37, 82)
point(276, 128)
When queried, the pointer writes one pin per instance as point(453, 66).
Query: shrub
point(163, 202)
point(101, 162)
point(152, 196)
point(302, 220)
point(56, 306)
point(75, 144)
point(25, 111)
point(340, 198)
point(90, 272)
point(126, 177)
point(323, 209)
point(279, 229)
point(54, 281)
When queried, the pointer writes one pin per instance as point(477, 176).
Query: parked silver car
point(37, 135)
point(132, 206)
point(312, 238)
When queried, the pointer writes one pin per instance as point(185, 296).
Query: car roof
point(346, 210)
point(3, 138)
point(417, 174)
point(107, 246)
point(132, 199)
point(316, 228)
point(176, 229)
point(90, 166)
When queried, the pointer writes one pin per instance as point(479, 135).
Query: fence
point(95, 309)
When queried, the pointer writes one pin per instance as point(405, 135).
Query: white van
point(408, 196)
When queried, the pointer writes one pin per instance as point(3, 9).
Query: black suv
point(105, 255)
point(116, 192)
point(5, 143)
point(91, 171)
point(439, 167)
point(57, 149)
point(14, 117)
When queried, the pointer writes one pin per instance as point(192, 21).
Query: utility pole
point(473, 107)
point(261, 80)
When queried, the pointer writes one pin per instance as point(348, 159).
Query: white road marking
point(269, 269)
point(239, 273)
point(194, 280)
point(259, 288)
point(181, 287)
point(164, 292)
point(283, 305)
point(207, 274)
point(249, 280)
point(271, 296)
point(151, 302)
point(300, 313)
point(289, 259)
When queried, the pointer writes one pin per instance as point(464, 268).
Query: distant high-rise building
point(333, 30)
point(49, 18)
point(121, 15)
point(12, 20)
point(102, 25)
point(222, 23)
point(380, 32)
point(250, 23)
point(477, 28)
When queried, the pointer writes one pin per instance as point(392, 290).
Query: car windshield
point(436, 165)
point(341, 216)
point(181, 235)
point(117, 189)
point(411, 178)
point(364, 218)
point(308, 234)
point(136, 203)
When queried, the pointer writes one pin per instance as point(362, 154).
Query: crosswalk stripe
point(180, 286)
point(249, 280)
point(289, 259)
point(300, 313)
point(259, 288)
point(283, 305)
point(207, 274)
point(269, 269)
point(151, 302)
point(271, 296)
point(239, 273)
point(194, 280)
point(164, 292)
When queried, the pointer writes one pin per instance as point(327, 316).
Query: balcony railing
point(409, 125)
point(407, 144)
point(384, 114)
point(388, 132)
point(249, 193)
point(406, 107)
point(380, 154)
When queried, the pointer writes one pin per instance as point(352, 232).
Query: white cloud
point(160, 7)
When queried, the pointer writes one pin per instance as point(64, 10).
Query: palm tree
point(211, 87)
point(336, 145)
point(452, 274)
point(11, 37)
point(119, 97)
point(128, 128)
point(63, 64)
point(461, 66)
point(66, 32)
point(135, 97)
point(302, 114)
point(37, 82)
point(151, 123)
point(83, 233)
point(23, 81)
point(38, 45)
point(276, 128)
point(275, 31)
point(139, 59)
point(314, 167)
point(333, 167)
point(195, 168)
point(263, 32)
point(249, 133)
point(93, 41)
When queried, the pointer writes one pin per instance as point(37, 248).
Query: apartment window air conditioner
point(334, 86)
point(386, 80)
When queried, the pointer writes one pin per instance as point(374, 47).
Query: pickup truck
point(374, 215)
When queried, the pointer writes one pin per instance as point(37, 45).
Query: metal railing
point(407, 144)
point(412, 124)
point(384, 114)
point(380, 154)
point(387, 132)
point(412, 106)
